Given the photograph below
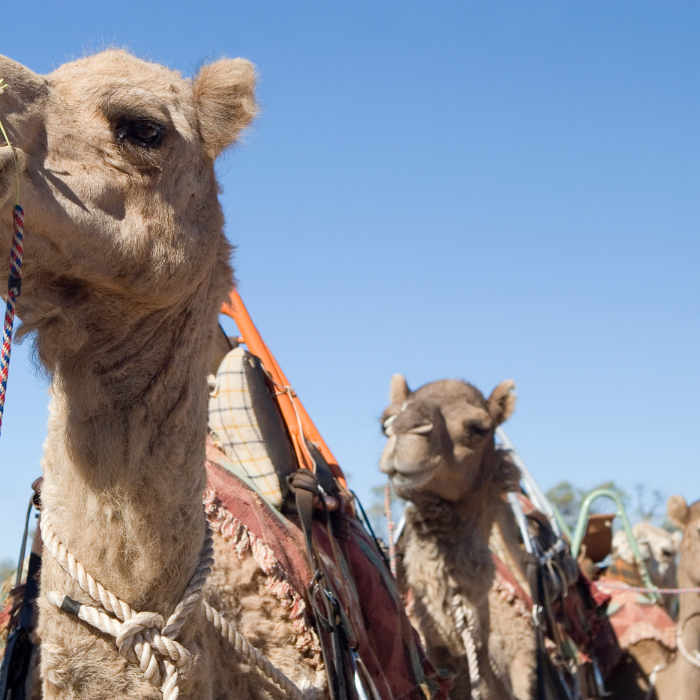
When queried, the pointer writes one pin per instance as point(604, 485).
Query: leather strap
point(327, 609)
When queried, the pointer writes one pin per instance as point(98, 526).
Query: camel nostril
point(423, 429)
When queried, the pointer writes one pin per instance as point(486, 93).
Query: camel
point(675, 674)
point(659, 549)
point(126, 267)
point(441, 457)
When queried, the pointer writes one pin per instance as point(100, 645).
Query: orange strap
point(298, 421)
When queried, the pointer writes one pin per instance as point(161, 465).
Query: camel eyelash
point(144, 133)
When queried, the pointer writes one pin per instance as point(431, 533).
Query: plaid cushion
point(246, 424)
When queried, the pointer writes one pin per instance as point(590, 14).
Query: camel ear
point(225, 95)
point(678, 511)
point(501, 403)
point(398, 391)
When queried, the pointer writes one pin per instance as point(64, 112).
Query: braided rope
point(603, 585)
point(250, 653)
point(14, 287)
point(465, 622)
point(390, 527)
point(146, 638)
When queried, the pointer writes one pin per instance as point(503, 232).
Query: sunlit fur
point(126, 266)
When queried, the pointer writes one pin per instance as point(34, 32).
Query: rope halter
point(146, 638)
point(143, 638)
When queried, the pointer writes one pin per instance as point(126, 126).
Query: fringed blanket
point(635, 617)
point(388, 645)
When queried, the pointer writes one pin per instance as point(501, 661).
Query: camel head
point(658, 548)
point(687, 519)
point(114, 157)
point(441, 436)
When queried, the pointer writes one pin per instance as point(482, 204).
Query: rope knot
point(131, 632)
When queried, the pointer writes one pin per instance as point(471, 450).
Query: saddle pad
point(246, 425)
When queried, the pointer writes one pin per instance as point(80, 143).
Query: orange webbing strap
point(298, 421)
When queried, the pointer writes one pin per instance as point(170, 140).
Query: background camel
point(126, 266)
point(675, 676)
point(659, 549)
point(441, 456)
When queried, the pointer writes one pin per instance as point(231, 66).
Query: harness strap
point(327, 609)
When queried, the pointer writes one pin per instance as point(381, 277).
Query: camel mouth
point(412, 480)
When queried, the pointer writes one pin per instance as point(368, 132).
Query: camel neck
point(441, 520)
point(124, 461)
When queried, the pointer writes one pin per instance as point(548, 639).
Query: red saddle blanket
point(634, 616)
point(388, 645)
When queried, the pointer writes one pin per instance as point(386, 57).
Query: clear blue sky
point(480, 190)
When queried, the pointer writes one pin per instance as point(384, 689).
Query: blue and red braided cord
point(14, 287)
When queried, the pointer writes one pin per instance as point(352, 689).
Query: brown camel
point(126, 266)
point(675, 675)
point(441, 457)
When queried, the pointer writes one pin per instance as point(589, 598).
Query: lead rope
point(146, 638)
point(14, 282)
point(465, 623)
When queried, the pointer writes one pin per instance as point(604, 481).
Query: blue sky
point(477, 190)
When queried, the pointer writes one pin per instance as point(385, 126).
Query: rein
point(14, 282)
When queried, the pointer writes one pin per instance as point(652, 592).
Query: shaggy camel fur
point(677, 678)
point(659, 549)
point(441, 456)
point(126, 266)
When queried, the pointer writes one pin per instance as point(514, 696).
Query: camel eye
point(477, 430)
point(140, 132)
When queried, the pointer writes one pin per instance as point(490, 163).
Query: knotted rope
point(465, 623)
point(146, 638)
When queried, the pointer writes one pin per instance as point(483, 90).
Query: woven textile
point(247, 427)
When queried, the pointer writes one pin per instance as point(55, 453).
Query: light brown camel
point(676, 674)
point(441, 457)
point(126, 266)
point(659, 549)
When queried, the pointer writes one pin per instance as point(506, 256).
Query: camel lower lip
point(414, 480)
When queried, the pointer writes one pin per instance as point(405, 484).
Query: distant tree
point(569, 498)
point(648, 503)
point(7, 568)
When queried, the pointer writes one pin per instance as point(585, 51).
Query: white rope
point(250, 653)
point(146, 638)
point(652, 680)
point(691, 657)
point(465, 622)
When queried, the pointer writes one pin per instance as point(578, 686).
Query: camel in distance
point(441, 457)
